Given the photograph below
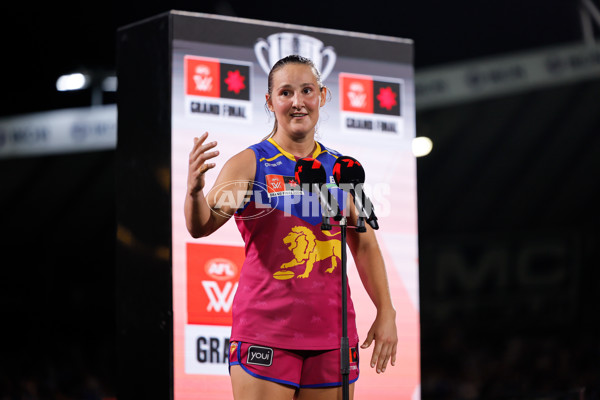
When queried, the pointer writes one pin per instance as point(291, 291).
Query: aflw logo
point(279, 185)
point(276, 185)
point(202, 79)
point(213, 272)
point(219, 299)
point(357, 95)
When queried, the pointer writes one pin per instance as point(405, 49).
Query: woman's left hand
point(383, 331)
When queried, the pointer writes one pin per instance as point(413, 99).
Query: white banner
point(59, 131)
point(506, 74)
point(209, 346)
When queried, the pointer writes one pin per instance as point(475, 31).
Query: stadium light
point(76, 81)
point(109, 84)
point(421, 146)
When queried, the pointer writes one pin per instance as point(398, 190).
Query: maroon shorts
point(298, 368)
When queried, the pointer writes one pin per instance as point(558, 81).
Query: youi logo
point(258, 355)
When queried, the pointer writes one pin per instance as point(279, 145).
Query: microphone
point(349, 175)
point(311, 172)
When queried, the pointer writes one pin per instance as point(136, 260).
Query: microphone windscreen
point(348, 170)
point(309, 171)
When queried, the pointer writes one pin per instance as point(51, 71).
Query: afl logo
point(235, 194)
point(221, 269)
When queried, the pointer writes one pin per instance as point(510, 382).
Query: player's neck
point(297, 146)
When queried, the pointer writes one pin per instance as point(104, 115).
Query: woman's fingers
point(384, 351)
point(205, 167)
point(199, 140)
point(200, 154)
point(198, 162)
point(384, 357)
point(200, 149)
point(198, 165)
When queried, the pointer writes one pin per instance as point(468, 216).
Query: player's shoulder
point(329, 151)
point(242, 163)
point(264, 148)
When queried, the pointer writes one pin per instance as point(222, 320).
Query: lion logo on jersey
point(308, 250)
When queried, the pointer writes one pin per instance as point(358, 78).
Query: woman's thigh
point(247, 387)
point(334, 393)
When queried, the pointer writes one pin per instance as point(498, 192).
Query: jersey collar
point(290, 155)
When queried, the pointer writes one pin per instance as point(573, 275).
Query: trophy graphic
point(279, 45)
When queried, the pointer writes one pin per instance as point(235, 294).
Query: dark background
point(507, 203)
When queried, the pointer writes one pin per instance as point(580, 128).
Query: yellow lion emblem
point(308, 250)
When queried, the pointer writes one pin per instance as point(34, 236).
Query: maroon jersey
point(289, 292)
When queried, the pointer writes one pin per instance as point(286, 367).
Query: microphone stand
point(344, 340)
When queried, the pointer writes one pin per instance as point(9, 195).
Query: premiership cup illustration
point(279, 45)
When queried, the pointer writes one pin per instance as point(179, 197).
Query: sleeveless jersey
point(289, 292)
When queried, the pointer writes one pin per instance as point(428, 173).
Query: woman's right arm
point(206, 214)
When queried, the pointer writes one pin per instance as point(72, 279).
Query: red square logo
point(213, 273)
point(202, 76)
point(357, 93)
point(275, 183)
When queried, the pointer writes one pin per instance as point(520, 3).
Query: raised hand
point(198, 164)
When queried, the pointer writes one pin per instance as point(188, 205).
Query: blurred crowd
point(461, 364)
point(56, 372)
